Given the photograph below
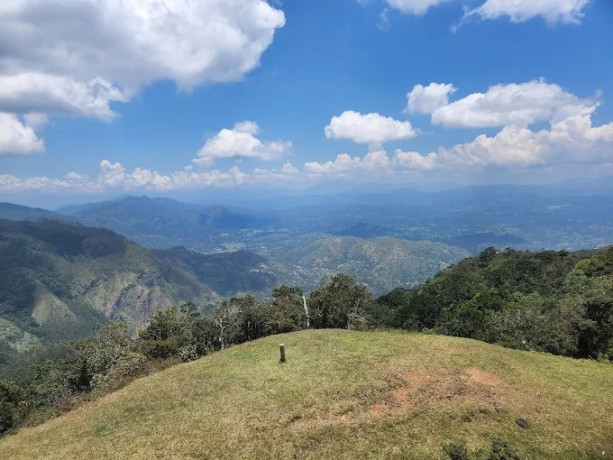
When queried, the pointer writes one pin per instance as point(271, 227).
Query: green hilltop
point(344, 395)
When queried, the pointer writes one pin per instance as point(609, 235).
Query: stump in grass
point(282, 352)
point(522, 423)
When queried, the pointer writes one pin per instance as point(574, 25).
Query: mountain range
point(61, 280)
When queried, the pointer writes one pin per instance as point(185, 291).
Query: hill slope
point(227, 273)
point(343, 394)
point(382, 263)
point(60, 280)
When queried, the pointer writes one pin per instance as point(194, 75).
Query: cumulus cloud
point(414, 160)
point(114, 176)
point(417, 7)
point(370, 128)
point(553, 11)
point(374, 162)
point(134, 42)
point(240, 143)
point(41, 93)
point(78, 56)
point(426, 99)
point(573, 139)
point(18, 138)
point(512, 104)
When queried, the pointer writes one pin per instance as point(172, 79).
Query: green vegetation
point(344, 394)
point(111, 357)
point(65, 280)
point(558, 302)
point(381, 264)
point(227, 273)
point(61, 281)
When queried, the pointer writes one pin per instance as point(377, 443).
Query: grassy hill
point(340, 395)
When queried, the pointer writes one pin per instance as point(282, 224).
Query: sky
point(100, 98)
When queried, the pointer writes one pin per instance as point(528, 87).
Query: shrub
point(501, 450)
point(456, 451)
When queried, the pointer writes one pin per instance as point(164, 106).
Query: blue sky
point(99, 99)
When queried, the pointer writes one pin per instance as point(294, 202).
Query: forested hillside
point(227, 273)
point(60, 281)
point(559, 302)
point(381, 263)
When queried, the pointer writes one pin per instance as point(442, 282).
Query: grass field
point(343, 395)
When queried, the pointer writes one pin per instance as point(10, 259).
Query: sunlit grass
point(342, 395)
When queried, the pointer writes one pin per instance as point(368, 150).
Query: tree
point(288, 312)
point(340, 302)
point(10, 397)
point(225, 319)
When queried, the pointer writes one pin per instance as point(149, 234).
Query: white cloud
point(375, 162)
point(40, 93)
point(501, 105)
point(426, 99)
point(134, 42)
point(111, 174)
point(240, 143)
point(370, 128)
point(417, 7)
point(553, 11)
point(414, 160)
point(78, 56)
point(18, 138)
point(572, 139)
point(511, 146)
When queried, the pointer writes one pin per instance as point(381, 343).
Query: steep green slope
point(227, 273)
point(382, 263)
point(59, 280)
point(343, 395)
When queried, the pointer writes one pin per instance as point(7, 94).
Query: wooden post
point(282, 351)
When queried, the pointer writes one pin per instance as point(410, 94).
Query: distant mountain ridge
point(162, 223)
point(17, 212)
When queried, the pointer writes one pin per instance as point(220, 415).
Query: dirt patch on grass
point(427, 390)
point(483, 377)
point(419, 391)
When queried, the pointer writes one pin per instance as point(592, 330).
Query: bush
point(456, 451)
point(502, 451)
